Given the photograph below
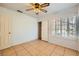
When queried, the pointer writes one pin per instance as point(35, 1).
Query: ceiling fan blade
point(45, 11)
point(32, 4)
point(29, 9)
point(45, 4)
point(19, 11)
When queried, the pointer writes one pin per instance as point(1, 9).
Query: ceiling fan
point(37, 7)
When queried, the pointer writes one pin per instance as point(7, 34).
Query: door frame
point(39, 30)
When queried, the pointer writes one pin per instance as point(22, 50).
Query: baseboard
point(17, 43)
point(63, 46)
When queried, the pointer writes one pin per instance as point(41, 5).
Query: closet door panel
point(4, 30)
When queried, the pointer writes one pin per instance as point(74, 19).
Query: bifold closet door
point(5, 31)
point(45, 30)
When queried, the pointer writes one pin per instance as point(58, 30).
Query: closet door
point(5, 33)
point(45, 30)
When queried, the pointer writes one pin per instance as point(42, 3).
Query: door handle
point(9, 33)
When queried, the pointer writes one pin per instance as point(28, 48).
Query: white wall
point(24, 27)
point(68, 42)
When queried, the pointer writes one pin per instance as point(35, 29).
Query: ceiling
point(54, 7)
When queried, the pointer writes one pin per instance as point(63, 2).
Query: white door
point(5, 31)
point(45, 30)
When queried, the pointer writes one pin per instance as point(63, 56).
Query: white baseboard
point(17, 43)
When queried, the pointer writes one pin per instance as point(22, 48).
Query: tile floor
point(38, 48)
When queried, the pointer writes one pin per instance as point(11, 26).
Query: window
point(66, 26)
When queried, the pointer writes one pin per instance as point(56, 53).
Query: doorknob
point(9, 33)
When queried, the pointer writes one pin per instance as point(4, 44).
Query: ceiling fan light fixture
point(37, 7)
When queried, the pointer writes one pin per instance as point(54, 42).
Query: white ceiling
point(54, 7)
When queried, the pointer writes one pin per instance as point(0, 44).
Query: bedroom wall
point(24, 28)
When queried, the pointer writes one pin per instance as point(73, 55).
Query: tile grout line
point(52, 51)
point(15, 51)
point(76, 53)
point(0, 53)
point(27, 50)
point(64, 52)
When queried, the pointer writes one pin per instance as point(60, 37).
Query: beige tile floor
point(38, 48)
